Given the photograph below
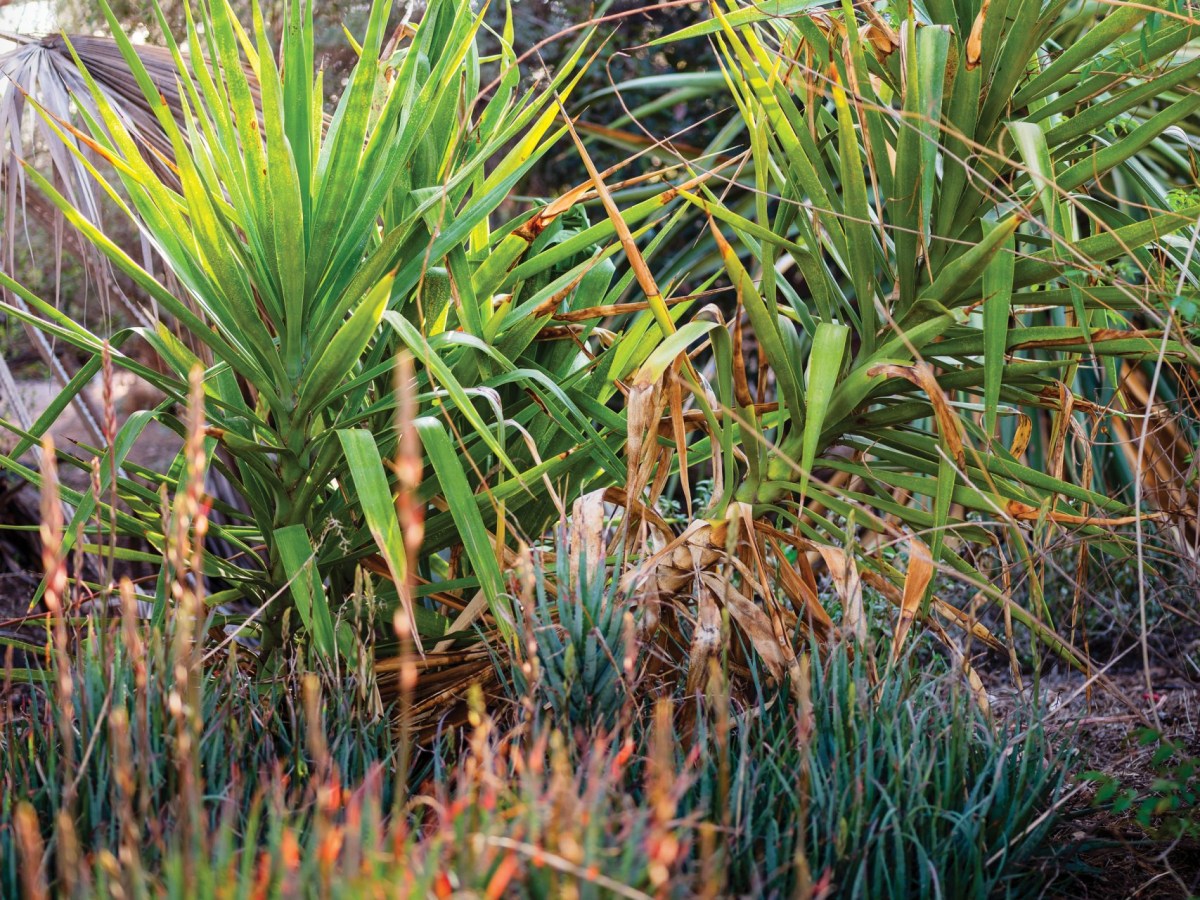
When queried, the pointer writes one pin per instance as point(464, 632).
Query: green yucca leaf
point(997, 309)
point(297, 555)
point(1031, 142)
point(1106, 158)
point(933, 51)
point(959, 275)
point(344, 350)
point(761, 11)
point(741, 224)
point(1112, 68)
point(463, 509)
point(824, 368)
point(1119, 23)
point(1096, 117)
point(768, 326)
point(668, 351)
point(370, 481)
point(239, 361)
point(1106, 245)
point(904, 204)
point(859, 233)
point(445, 378)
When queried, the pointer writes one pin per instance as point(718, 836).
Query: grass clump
point(576, 642)
point(895, 786)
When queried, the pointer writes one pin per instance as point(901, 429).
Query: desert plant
point(578, 631)
point(926, 260)
point(309, 249)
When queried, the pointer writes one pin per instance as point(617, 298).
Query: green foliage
point(1183, 198)
point(305, 248)
point(148, 771)
point(936, 241)
point(577, 635)
point(940, 264)
point(1166, 809)
point(936, 245)
point(899, 788)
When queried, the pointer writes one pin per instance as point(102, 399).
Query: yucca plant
point(310, 248)
point(927, 259)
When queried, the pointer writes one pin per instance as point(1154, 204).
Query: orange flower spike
point(502, 876)
point(262, 881)
point(330, 847)
point(290, 850)
point(621, 760)
point(332, 796)
point(442, 886)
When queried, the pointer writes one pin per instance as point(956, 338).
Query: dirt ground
point(1106, 855)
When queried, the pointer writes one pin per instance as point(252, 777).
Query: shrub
point(1166, 808)
point(935, 263)
point(306, 248)
point(579, 641)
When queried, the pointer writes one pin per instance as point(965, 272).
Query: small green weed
point(1166, 809)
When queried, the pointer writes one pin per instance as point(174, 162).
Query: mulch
point(1106, 855)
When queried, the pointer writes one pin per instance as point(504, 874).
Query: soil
point(155, 448)
point(1106, 855)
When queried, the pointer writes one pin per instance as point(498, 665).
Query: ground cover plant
point(676, 534)
point(257, 790)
